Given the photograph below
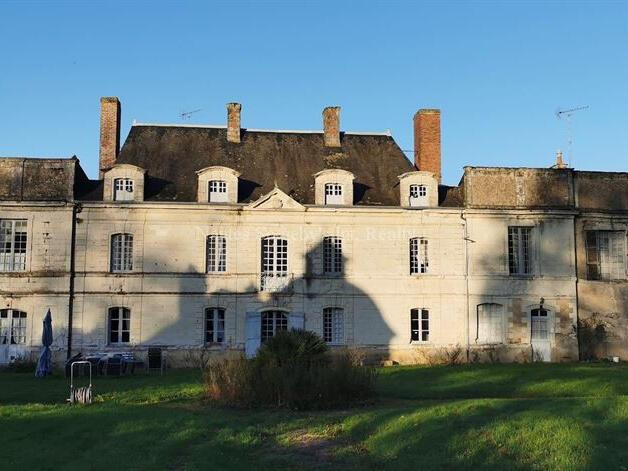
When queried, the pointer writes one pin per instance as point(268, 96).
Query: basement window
point(217, 191)
point(123, 189)
point(519, 250)
point(419, 262)
point(420, 325)
point(606, 255)
point(333, 193)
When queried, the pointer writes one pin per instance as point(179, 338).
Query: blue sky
point(497, 70)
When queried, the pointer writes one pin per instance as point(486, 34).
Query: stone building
point(217, 237)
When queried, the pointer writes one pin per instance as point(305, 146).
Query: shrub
point(294, 370)
point(21, 365)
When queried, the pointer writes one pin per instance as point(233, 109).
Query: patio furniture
point(129, 362)
point(114, 365)
point(156, 360)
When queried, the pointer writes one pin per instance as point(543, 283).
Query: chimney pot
point(427, 154)
point(331, 126)
point(559, 160)
point(109, 133)
point(233, 122)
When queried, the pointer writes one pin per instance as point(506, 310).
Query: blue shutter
point(253, 333)
point(296, 320)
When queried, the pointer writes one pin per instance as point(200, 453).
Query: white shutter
point(296, 320)
point(253, 333)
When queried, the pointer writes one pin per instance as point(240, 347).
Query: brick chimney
point(427, 141)
point(331, 126)
point(559, 160)
point(109, 133)
point(233, 122)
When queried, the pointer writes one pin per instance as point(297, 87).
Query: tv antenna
point(186, 114)
point(568, 113)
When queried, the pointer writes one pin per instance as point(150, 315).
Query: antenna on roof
point(187, 114)
point(568, 113)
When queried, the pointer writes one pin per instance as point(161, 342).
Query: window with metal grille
point(420, 325)
point(121, 252)
point(539, 327)
point(119, 325)
point(123, 189)
point(419, 261)
point(418, 195)
point(332, 255)
point(519, 250)
point(217, 191)
point(606, 255)
point(333, 325)
point(13, 240)
point(490, 323)
point(273, 322)
point(214, 325)
point(12, 327)
point(274, 262)
point(216, 253)
point(333, 193)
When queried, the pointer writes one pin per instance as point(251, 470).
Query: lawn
point(564, 416)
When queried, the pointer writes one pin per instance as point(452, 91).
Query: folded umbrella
point(44, 365)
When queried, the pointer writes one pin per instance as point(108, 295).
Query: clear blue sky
point(498, 71)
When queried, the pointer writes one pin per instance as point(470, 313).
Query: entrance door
point(540, 335)
point(12, 335)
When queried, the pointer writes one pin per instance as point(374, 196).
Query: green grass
point(566, 416)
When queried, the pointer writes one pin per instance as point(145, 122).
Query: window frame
point(215, 257)
point(334, 194)
point(121, 254)
point(220, 188)
point(333, 325)
point(496, 332)
point(519, 254)
point(601, 264)
point(122, 314)
point(217, 323)
point(277, 323)
point(332, 255)
point(419, 256)
point(417, 195)
point(12, 261)
point(124, 183)
point(420, 327)
point(12, 332)
point(274, 261)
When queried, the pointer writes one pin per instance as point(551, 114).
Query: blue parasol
point(44, 365)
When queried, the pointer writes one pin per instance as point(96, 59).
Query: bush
point(294, 370)
point(21, 365)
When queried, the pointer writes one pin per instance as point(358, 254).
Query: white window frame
point(121, 259)
point(274, 266)
point(418, 195)
point(273, 321)
point(490, 323)
point(122, 318)
point(13, 324)
point(214, 325)
point(606, 255)
point(334, 194)
point(13, 245)
point(217, 191)
point(419, 256)
point(333, 325)
point(332, 255)
point(216, 254)
point(520, 250)
point(123, 189)
point(540, 328)
point(419, 325)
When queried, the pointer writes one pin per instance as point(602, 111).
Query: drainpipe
point(466, 278)
point(76, 209)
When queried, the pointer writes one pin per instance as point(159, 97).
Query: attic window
point(123, 189)
point(217, 191)
point(333, 193)
point(418, 195)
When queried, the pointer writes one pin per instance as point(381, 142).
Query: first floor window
point(333, 193)
point(123, 189)
point(274, 263)
point(121, 252)
point(420, 325)
point(418, 256)
point(519, 250)
point(490, 323)
point(333, 325)
point(332, 255)
point(119, 325)
point(214, 325)
point(216, 253)
point(606, 255)
point(12, 327)
point(272, 323)
point(13, 244)
point(217, 191)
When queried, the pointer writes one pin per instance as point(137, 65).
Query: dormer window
point(418, 195)
point(333, 193)
point(123, 189)
point(218, 191)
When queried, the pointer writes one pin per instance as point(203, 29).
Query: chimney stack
point(559, 160)
point(427, 141)
point(331, 126)
point(233, 122)
point(109, 133)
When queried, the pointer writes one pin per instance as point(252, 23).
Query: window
point(332, 255)
point(418, 195)
point(123, 189)
point(216, 253)
point(420, 325)
point(217, 191)
point(119, 325)
point(273, 322)
point(333, 325)
point(13, 244)
point(490, 328)
point(214, 325)
point(333, 193)
point(606, 255)
point(418, 256)
point(274, 263)
point(539, 324)
point(519, 250)
point(121, 252)
point(12, 327)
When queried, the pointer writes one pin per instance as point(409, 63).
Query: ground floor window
point(214, 325)
point(273, 322)
point(420, 325)
point(119, 325)
point(333, 325)
point(12, 327)
point(539, 330)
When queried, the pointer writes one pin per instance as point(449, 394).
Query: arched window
point(273, 322)
point(12, 327)
point(119, 325)
point(217, 191)
point(214, 325)
point(490, 323)
point(333, 193)
point(333, 325)
point(274, 263)
point(121, 252)
point(123, 189)
point(216, 253)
